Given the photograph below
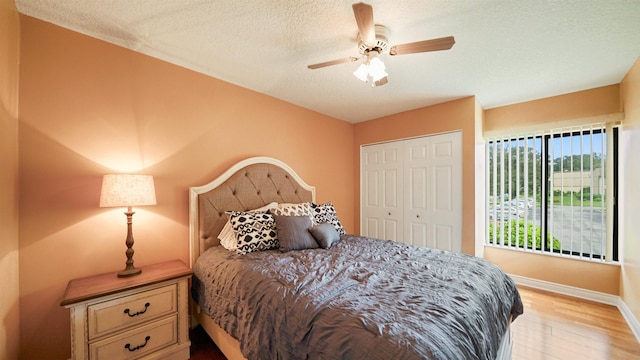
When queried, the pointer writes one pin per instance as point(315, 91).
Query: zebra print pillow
point(326, 213)
point(255, 231)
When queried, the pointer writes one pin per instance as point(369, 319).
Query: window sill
point(555, 255)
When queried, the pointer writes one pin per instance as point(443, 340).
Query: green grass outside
point(570, 200)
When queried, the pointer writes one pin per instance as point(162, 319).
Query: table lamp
point(127, 190)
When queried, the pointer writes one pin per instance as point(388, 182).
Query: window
point(554, 192)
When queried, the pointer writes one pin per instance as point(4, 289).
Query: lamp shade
point(127, 190)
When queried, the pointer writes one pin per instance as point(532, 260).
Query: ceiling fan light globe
point(376, 63)
point(376, 69)
point(378, 75)
point(361, 72)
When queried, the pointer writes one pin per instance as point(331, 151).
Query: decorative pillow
point(325, 235)
point(255, 231)
point(227, 236)
point(292, 209)
point(293, 233)
point(326, 213)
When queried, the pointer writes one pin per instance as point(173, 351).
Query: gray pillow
point(325, 234)
point(293, 233)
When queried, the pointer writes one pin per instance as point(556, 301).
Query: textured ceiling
point(506, 51)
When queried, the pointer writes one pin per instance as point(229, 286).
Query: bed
point(355, 298)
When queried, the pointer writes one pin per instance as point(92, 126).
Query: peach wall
point(629, 192)
point(583, 104)
point(89, 108)
point(446, 117)
point(9, 243)
point(593, 276)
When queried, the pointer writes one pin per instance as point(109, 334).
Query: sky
point(571, 145)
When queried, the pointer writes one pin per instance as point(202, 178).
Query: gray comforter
point(362, 299)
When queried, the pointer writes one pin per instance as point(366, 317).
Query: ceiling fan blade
point(364, 19)
point(332, 62)
point(444, 43)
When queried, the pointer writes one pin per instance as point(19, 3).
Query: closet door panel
point(416, 198)
point(443, 238)
point(392, 230)
point(441, 190)
point(445, 189)
point(381, 201)
point(392, 192)
point(372, 226)
point(418, 233)
point(372, 203)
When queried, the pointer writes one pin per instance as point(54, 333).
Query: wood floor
point(560, 327)
point(552, 327)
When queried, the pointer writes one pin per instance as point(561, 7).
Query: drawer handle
point(146, 340)
point(128, 312)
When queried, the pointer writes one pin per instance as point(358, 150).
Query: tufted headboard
point(249, 184)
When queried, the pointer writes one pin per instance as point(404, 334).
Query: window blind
point(552, 191)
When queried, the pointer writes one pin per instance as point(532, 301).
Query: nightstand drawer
point(137, 342)
point(149, 312)
point(127, 311)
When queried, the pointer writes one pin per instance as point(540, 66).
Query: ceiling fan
point(373, 42)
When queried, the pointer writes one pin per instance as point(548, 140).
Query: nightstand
point(139, 317)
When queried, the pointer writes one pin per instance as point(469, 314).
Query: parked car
point(523, 202)
point(506, 212)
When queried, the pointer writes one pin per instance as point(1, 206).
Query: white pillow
point(288, 209)
point(227, 236)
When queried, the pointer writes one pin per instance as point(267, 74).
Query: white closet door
point(411, 191)
point(416, 196)
point(433, 191)
point(381, 191)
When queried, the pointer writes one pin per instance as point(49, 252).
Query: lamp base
point(129, 272)
point(129, 269)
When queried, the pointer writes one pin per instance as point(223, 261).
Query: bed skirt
point(230, 347)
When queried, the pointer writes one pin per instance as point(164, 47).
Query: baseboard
point(591, 295)
point(567, 290)
point(634, 324)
